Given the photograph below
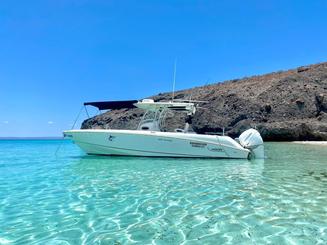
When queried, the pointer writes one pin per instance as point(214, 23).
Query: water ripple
point(78, 199)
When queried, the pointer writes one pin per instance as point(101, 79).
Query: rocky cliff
point(283, 106)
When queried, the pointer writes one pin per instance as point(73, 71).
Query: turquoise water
point(79, 199)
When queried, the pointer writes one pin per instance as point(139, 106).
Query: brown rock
point(289, 105)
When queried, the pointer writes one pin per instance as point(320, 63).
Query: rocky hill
point(283, 106)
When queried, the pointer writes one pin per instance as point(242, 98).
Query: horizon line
point(30, 137)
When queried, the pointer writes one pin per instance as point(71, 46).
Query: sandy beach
point(311, 142)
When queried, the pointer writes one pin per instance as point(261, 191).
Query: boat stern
point(252, 140)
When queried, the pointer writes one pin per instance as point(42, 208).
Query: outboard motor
point(252, 140)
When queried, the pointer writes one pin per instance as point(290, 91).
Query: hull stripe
point(159, 136)
point(155, 152)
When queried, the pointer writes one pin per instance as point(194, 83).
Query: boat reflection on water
point(99, 174)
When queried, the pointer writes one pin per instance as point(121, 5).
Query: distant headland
point(32, 138)
point(283, 106)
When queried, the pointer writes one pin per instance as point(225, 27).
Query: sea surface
point(72, 198)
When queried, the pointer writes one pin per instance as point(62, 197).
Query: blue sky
point(54, 55)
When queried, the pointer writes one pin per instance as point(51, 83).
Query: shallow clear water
point(75, 199)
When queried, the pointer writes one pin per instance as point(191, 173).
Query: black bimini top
point(106, 105)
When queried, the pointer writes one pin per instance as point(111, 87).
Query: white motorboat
point(150, 140)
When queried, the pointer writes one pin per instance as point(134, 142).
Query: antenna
point(174, 81)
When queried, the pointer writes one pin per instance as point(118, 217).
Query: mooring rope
point(59, 146)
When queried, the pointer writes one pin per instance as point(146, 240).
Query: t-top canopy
point(106, 105)
point(150, 105)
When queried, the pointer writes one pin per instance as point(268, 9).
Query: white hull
point(155, 144)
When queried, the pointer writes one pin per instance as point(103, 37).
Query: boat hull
point(155, 144)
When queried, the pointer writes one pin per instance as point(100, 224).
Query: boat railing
point(217, 133)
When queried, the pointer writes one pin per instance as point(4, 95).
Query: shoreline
point(304, 142)
point(310, 142)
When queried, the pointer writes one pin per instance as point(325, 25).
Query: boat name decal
point(215, 149)
point(198, 144)
point(111, 138)
point(163, 139)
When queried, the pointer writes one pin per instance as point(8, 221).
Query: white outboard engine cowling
point(252, 140)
